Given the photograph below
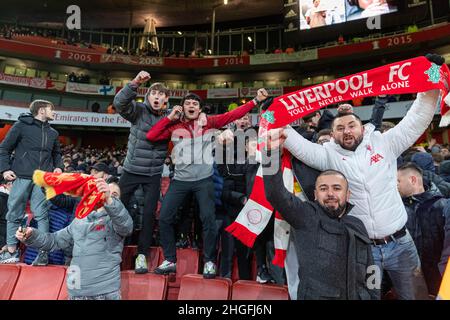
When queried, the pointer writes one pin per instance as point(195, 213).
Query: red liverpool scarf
point(408, 76)
point(73, 184)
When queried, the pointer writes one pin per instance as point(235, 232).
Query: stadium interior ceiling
point(116, 13)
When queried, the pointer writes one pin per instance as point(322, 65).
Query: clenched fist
point(261, 95)
point(141, 78)
point(176, 113)
point(276, 138)
point(9, 175)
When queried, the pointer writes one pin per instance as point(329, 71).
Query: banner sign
point(299, 56)
point(84, 88)
point(72, 118)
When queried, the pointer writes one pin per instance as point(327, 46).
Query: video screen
point(320, 13)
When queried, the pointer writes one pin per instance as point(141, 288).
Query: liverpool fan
point(193, 172)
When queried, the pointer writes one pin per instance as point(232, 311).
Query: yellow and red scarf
point(73, 184)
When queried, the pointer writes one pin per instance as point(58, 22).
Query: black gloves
point(439, 60)
point(266, 103)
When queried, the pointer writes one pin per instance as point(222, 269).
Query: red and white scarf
point(408, 76)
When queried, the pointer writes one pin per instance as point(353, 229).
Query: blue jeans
point(21, 191)
point(401, 261)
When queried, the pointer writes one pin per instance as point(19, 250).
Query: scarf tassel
point(242, 233)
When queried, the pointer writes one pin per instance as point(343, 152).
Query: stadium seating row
point(24, 282)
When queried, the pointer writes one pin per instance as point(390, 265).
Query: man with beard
point(333, 247)
point(428, 222)
point(369, 161)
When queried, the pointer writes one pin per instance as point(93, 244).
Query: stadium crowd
point(209, 187)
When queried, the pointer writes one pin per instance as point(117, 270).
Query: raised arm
point(378, 111)
point(291, 208)
point(413, 125)
point(124, 101)
point(312, 154)
point(221, 120)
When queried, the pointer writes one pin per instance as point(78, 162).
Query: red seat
point(8, 279)
point(129, 254)
point(172, 293)
point(187, 263)
point(39, 283)
point(143, 286)
point(251, 290)
point(194, 287)
point(63, 293)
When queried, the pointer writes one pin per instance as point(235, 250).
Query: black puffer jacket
point(143, 157)
point(35, 145)
point(429, 225)
point(233, 173)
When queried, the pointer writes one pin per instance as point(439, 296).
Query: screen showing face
point(319, 13)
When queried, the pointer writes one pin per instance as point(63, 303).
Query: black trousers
point(151, 185)
point(203, 191)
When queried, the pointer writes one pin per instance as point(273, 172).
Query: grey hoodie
point(97, 242)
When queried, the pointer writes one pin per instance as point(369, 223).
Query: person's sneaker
point(182, 243)
point(166, 267)
point(209, 270)
point(264, 276)
point(140, 265)
point(41, 259)
point(8, 257)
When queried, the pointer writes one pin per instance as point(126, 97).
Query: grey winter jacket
point(143, 157)
point(35, 145)
point(97, 248)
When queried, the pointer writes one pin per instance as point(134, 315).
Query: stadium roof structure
point(116, 13)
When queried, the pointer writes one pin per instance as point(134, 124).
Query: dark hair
point(324, 132)
point(310, 116)
point(411, 166)
point(158, 86)
point(192, 96)
point(344, 114)
point(38, 104)
point(331, 172)
point(113, 179)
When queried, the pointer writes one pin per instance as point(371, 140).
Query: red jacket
point(193, 144)
point(163, 129)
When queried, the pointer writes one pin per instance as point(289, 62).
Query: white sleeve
point(413, 125)
point(312, 154)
